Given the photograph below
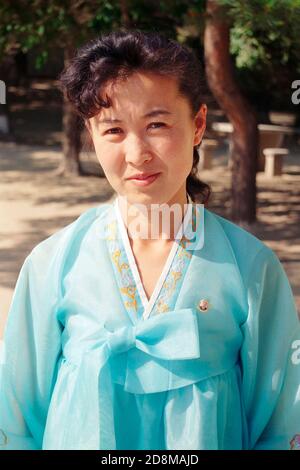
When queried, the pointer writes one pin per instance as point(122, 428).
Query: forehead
point(142, 90)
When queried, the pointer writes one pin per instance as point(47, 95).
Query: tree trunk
point(220, 75)
point(72, 127)
point(125, 18)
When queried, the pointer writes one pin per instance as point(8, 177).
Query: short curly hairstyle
point(117, 55)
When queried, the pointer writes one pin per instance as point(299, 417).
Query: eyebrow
point(155, 112)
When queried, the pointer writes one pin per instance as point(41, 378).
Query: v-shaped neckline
point(148, 303)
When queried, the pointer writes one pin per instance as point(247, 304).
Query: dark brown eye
point(109, 131)
point(157, 124)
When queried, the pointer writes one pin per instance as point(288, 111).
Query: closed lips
point(142, 176)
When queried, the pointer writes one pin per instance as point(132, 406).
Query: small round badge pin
point(203, 305)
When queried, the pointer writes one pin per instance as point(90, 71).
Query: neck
point(148, 224)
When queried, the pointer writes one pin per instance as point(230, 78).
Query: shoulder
point(236, 234)
point(61, 242)
point(44, 268)
point(266, 285)
point(249, 252)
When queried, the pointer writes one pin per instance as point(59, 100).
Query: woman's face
point(147, 130)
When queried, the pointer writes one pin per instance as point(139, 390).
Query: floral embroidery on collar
point(166, 298)
point(124, 276)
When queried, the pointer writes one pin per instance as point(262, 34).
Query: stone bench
point(273, 163)
point(206, 151)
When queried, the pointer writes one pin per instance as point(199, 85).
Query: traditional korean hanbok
point(210, 361)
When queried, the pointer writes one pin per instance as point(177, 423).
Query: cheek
point(177, 153)
point(179, 138)
point(108, 157)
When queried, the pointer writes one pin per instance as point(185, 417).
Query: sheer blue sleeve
point(30, 353)
point(271, 357)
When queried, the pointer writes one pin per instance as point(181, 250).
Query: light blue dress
point(210, 361)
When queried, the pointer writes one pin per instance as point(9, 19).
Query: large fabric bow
point(154, 342)
point(158, 354)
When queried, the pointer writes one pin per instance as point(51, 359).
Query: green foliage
point(264, 33)
point(266, 48)
point(46, 24)
point(264, 45)
point(105, 18)
point(247, 49)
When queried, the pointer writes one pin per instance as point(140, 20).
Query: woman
point(118, 339)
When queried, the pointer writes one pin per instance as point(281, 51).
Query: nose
point(137, 150)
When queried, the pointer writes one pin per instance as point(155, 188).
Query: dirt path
point(35, 204)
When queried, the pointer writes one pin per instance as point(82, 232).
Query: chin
point(146, 199)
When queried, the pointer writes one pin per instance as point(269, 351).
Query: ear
point(200, 124)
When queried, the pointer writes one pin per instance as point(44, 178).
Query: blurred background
point(250, 154)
